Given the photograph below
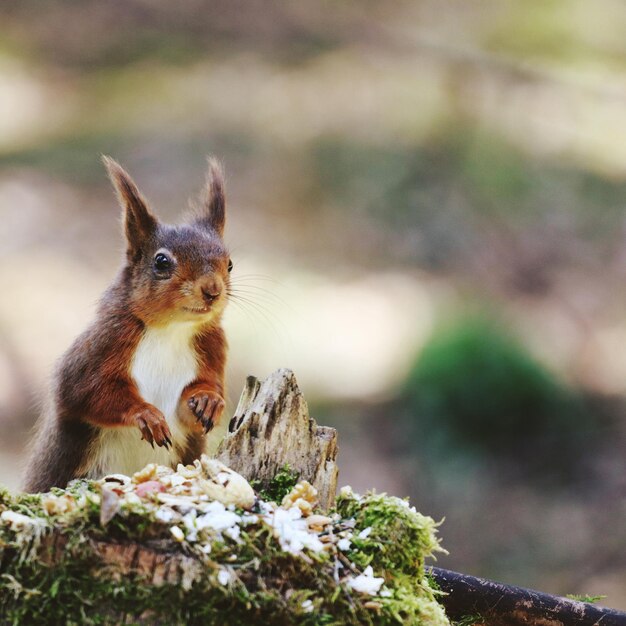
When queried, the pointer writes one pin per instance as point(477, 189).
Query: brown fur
point(93, 387)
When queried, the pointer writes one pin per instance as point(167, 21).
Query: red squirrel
point(149, 371)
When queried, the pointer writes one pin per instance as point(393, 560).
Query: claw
point(197, 412)
point(206, 407)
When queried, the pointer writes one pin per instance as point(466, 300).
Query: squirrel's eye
point(162, 262)
point(230, 265)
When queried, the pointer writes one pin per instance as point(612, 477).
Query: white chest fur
point(164, 363)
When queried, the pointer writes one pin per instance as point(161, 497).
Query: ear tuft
point(139, 223)
point(214, 203)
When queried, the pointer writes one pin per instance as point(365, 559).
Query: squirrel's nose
point(210, 289)
point(210, 294)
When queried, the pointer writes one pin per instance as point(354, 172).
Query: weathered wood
point(507, 605)
point(271, 427)
point(157, 566)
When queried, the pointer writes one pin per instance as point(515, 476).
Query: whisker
point(258, 291)
point(252, 306)
point(264, 277)
point(268, 297)
point(240, 306)
point(262, 310)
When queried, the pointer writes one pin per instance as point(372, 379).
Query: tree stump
point(272, 428)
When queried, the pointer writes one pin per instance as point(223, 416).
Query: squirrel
point(150, 368)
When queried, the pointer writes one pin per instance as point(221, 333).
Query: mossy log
point(196, 546)
point(66, 568)
point(272, 428)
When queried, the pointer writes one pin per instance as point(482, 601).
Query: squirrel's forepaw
point(207, 406)
point(153, 426)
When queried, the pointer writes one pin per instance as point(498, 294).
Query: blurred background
point(427, 220)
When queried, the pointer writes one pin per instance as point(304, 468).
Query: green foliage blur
point(474, 389)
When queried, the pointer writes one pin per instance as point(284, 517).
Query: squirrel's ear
point(139, 223)
point(213, 212)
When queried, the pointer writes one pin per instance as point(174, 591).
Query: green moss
point(583, 597)
point(395, 539)
point(284, 481)
point(470, 620)
point(42, 584)
point(399, 538)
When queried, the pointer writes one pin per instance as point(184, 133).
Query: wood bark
point(271, 428)
point(156, 565)
point(505, 605)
